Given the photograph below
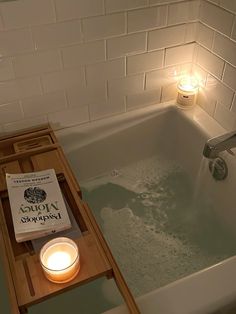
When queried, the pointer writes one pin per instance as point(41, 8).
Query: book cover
point(37, 204)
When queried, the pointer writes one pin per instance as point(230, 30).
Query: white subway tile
point(24, 124)
point(166, 76)
point(183, 12)
point(21, 88)
point(61, 80)
point(104, 26)
point(155, 79)
point(216, 17)
point(125, 45)
point(225, 117)
point(27, 12)
point(144, 19)
point(15, 41)
point(200, 74)
point(79, 96)
point(191, 32)
point(57, 35)
point(69, 117)
point(106, 70)
point(229, 77)
point(148, 97)
point(166, 37)
point(225, 47)
point(122, 5)
point(125, 86)
point(10, 112)
point(105, 109)
point(145, 62)
point(83, 54)
point(205, 35)
point(37, 106)
point(228, 4)
point(169, 92)
point(218, 91)
point(180, 54)
point(37, 63)
point(210, 62)
point(6, 70)
point(72, 9)
point(207, 103)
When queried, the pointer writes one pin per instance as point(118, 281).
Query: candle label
point(37, 204)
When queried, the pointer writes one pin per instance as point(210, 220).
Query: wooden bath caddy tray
point(36, 150)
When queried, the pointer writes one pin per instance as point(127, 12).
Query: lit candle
point(187, 91)
point(60, 260)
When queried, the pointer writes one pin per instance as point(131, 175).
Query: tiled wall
point(75, 61)
point(216, 60)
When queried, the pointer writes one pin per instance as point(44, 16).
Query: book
point(37, 205)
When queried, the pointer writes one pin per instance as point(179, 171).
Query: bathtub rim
point(97, 130)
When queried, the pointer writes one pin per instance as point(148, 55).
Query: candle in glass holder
point(187, 91)
point(60, 260)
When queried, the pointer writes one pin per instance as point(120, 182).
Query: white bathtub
point(115, 142)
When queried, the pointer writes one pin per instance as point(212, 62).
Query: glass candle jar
point(60, 260)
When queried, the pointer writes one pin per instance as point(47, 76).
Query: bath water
point(155, 230)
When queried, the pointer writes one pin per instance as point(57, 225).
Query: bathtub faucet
point(219, 144)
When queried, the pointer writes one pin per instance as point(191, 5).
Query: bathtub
point(115, 142)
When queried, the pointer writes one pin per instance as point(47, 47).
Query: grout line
point(233, 101)
point(67, 99)
point(105, 52)
point(233, 26)
point(104, 7)
point(223, 72)
point(125, 63)
point(54, 11)
point(146, 41)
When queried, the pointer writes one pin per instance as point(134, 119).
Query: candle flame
point(188, 84)
point(59, 260)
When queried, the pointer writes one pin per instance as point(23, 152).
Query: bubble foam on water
point(154, 235)
point(147, 257)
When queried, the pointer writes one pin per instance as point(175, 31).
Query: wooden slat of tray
point(18, 156)
point(27, 133)
point(47, 160)
point(8, 274)
point(56, 160)
point(8, 167)
point(34, 142)
point(91, 267)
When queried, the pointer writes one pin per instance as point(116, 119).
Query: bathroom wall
point(216, 60)
point(75, 61)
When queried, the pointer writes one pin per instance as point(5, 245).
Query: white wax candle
point(60, 259)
